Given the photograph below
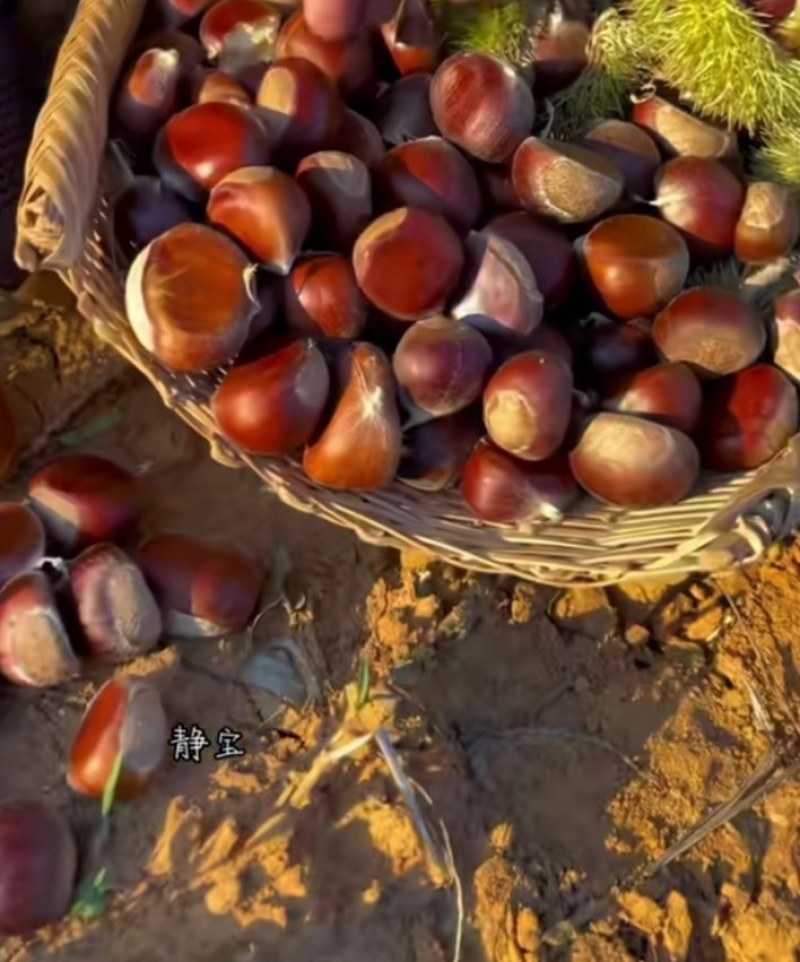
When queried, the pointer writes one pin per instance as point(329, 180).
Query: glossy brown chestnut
point(22, 541)
point(205, 590)
point(497, 187)
point(772, 11)
point(629, 148)
point(116, 610)
point(300, 106)
point(748, 418)
point(408, 263)
point(339, 188)
point(547, 250)
point(768, 227)
point(149, 94)
point(679, 133)
point(361, 138)
point(403, 111)
point(35, 649)
point(504, 490)
point(527, 405)
point(712, 329)
point(614, 350)
point(498, 294)
point(9, 437)
point(349, 64)
point(430, 174)
point(189, 49)
point(190, 298)
point(322, 299)
point(125, 717)
point(38, 865)
point(630, 462)
point(703, 199)
point(560, 53)
point(568, 183)
point(483, 105)
point(434, 453)
point(204, 143)
point(210, 86)
point(175, 13)
point(441, 365)
point(412, 39)
point(266, 211)
point(274, 405)
point(229, 22)
point(360, 447)
point(667, 393)
point(636, 264)
point(334, 19)
point(786, 334)
point(144, 211)
point(82, 498)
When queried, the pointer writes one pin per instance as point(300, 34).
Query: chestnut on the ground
point(22, 541)
point(614, 350)
point(125, 717)
point(403, 113)
point(412, 38)
point(712, 329)
point(339, 189)
point(748, 418)
point(360, 137)
point(145, 210)
point(322, 298)
point(149, 95)
point(435, 453)
point(631, 462)
point(769, 226)
point(83, 498)
point(631, 149)
point(241, 23)
point(678, 132)
point(669, 393)
point(786, 334)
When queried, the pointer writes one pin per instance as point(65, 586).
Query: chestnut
point(786, 334)
point(430, 174)
point(322, 298)
point(569, 183)
point(189, 298)
point(360, 447)
point(408, 263)
point(631, 149)
point(441, 365)
point(668, 393)
point(82, 498)
point(678, 132)
point(748, 418)
point(349, 63)
point(145, 210)
point(300, 106)
point(501, 489)
point(149, 95)
point(175, 13)
point(614, 350)
point(334, 19)
point(38, 866)
point(339, 188)
point(125, 718)
point(266, 211)
point(117, 613)
point(403, 111)
point(412, 38)
point(35, 648)
point(188, 48)
point(22, 541)
point(204, 143)
point(635, 264)
point(361, 138)
point(712, 329)
point(229, 21)
point(498, 294)
point(214, 85)
point(527, 405)
point(483, 105)
point(205, 590)
point(560, 53)
point(768, 226)
point(703, 199)
point(273, 405)
point(435, 453)
point(496, 187)
point(630, 462)
point(547, 250)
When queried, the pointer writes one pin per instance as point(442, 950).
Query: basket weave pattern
point(64, 224)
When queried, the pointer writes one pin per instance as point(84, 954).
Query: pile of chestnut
point(72, 595)
point(392, 277)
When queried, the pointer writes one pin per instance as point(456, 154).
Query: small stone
point(586, 611)
point(707, 625)
point(526, 602)
point(529, 930)
point(581, 685)
point(677, 930)
point(637, 636)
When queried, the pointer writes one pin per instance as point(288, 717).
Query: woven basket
point(63, 224)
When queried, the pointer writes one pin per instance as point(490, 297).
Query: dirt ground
point(566, 740)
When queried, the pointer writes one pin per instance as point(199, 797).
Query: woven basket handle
point(64, 159)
